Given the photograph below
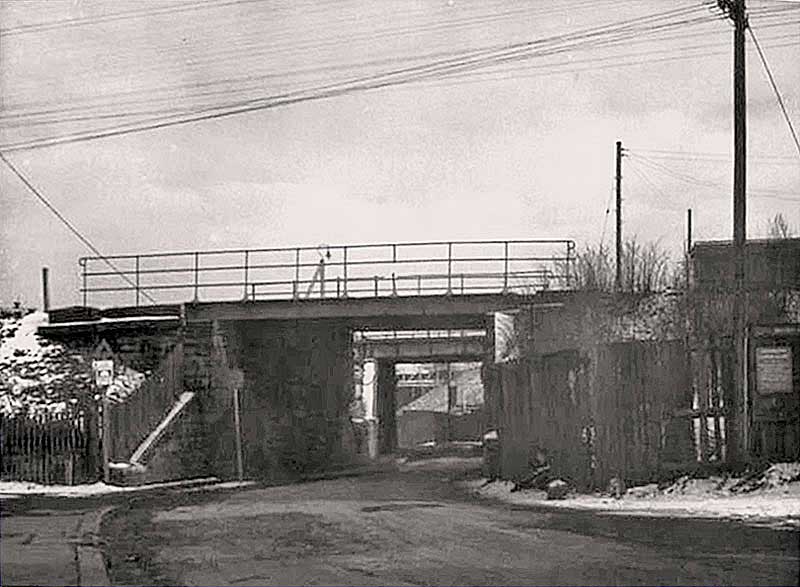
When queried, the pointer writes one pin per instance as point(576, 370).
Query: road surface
point(414, 527)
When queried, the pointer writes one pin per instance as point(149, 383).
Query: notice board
point(773, 369)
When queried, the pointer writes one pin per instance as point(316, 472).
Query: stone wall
point(297, 387)
point(295, 383)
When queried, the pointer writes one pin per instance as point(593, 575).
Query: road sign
point(103, 350)
point(103, 372)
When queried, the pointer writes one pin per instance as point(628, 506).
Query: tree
point(777, 227)
point(645, 268)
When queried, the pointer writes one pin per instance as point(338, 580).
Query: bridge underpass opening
point(420, 390)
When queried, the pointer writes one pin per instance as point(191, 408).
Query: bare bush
point(778, 228)
point(645, 268)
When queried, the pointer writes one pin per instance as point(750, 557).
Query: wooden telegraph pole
point(737, 430)
point(618, 179)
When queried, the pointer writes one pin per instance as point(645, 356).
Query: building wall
point(771, 264)
point(415, 427)
point(647, 381)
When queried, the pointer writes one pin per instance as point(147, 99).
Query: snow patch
point(22, 344)
point(39, 377)
point(775, 502)
point(15, 489)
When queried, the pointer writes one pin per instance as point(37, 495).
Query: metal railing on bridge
point(329, 271)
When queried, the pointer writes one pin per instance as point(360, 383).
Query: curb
point(91, 565)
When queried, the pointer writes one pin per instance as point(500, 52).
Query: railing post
point(570, 246)
point(322, 277)
point(376, 285)
point(253, 292)
point(419, 285)
point(246, 271)
point(338, 287)
point(345, 271)
point(449, 268)
point(394, 284)
point(296, 291)
point(196, 276)
point(505, 267)
point(83, 279)
point(137, 280)
point(462, 284)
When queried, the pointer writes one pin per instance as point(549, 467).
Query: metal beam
point(419, 311)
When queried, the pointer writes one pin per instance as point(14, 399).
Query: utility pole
point(618, 178)
point(737, 433)
point(687, 259)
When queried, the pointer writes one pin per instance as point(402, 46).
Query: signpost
point(103, 371)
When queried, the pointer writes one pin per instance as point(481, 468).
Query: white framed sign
point(773, 369)
point(103, 372)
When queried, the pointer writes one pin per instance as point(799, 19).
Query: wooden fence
point(51, 448)
point(634, 410)
point(134, 419)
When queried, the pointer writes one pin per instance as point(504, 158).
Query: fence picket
point(46, 448)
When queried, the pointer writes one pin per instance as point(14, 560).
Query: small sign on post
point(103, 370)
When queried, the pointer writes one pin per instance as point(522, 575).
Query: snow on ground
point(772, 498)
point(16, 489)
point(39, 376)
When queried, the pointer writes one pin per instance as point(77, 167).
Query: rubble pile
point(39, 377)
point(778, 476)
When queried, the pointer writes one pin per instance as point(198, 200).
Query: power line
point(177, 110)
point(116, 16)
point(22, 119)
point(68, 224)
point(710, 155)
point(605, 216)
point(775, 88)
point(150, 91)
point(461, 64)
point(688, 179)
point(253, 79)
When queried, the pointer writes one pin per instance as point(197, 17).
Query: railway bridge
point(276, 333)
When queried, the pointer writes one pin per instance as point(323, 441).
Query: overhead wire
point(775, 88)
point(714, 156)
point(143, 112)
point(605, 216)
point(463, 63)
point(255, 79)
point(497, 47)
point(37, 192)
point(123, 15)
point(694, 8)
point(688, 179)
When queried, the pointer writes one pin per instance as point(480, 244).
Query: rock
point(616, 487)
point(557, 489)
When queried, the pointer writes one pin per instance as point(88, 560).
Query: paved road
point(39, 548)
point(415, 528)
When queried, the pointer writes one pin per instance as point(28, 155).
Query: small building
point(770, 264)
point(772, 277)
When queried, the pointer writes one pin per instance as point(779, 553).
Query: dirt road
point(414, 527)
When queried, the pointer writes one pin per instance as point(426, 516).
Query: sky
point(523, 150)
